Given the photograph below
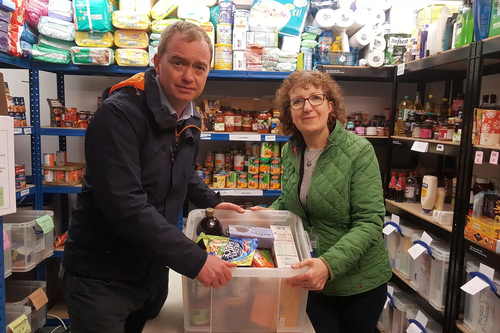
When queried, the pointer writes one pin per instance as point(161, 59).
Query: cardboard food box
point(264, 235)
point(285, 252)
point(482, 239)
point(491, 205)
point(484, 225)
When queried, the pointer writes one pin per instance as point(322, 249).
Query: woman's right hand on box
point(256, 208)
point(215, 272)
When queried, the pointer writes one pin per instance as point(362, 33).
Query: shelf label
point(225, 193)
point(270, 138)
point(413, 329)
point(477, 284)
point(250, 193)
point(27, 130)
point(494, 157)
point(396, 142)
point(479, 157)
point(244, 137)
point(401, 69)
point(20, 325)
point(416, 250)
point(25, 192)
point(38, 298)
point(18, 131)
point(421, 147)
point(440, 148)
point(206, 136)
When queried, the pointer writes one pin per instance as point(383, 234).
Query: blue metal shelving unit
point(23, 130)
point(30, 190)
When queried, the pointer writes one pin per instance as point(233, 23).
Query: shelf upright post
point(464, 178)
point(2, 287)
point(394, 111)
point(36, 139)
point(62, 147)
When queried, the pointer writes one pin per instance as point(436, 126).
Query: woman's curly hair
point(306, 79)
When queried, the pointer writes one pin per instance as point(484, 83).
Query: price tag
point(206, 136)
point(416, 251)
point(38, 298)
point(401, 69)
point(20, 325)
point(248, 193)
point(46, 223)
point(421, 318)
point(494, 157)
point(426, 238)
point(389, 229)
point(440, 148)
point(474, 286)
point(244, 137)
point(413, 329)
point(395, 218)
point(270, 138)
point(421, 147)
point(396, 142)
point(226, 193)
point(27, 130)
point(18, 131)
point(25, 192)
point(479, 157)
point(487, 270)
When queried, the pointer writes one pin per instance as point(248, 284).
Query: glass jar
point(426, 131)
point(247, 121)
point(219, 125)
point(360, 129)
point(446, 132)
point(416, 130)
point(238, 120)
point(229, 120)
point(371, 130)
point(255, 125)
point(275, 122)
point(263, 122)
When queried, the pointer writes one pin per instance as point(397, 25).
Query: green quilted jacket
point(346, 209)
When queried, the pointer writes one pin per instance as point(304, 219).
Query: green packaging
point(97, 56)
point(495, 19)
point(50, 54)
point(397, 46)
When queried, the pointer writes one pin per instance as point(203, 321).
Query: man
point(140, 149)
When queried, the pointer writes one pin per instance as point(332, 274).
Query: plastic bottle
point(464, 32)
point(392, 186)
point(482, 19)
point(337, 45)
point(440, 196)
point(429, 193)
point(444, 108)
point(399, 192)
point(410, 188)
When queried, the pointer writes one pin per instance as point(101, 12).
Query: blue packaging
point(26, 49)
point(214, 15)
point(7, 5)
point(29, 35)
point(287, 17)
point(482, 19)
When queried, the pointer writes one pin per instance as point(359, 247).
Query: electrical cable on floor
point(62, 322)
point(55, 329)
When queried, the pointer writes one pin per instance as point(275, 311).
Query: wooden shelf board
point(404, 138)
point(416, 209)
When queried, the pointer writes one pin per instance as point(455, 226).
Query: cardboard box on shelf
point(491, 206)
point(482, 239)
point(430, 14)
point(485, 225)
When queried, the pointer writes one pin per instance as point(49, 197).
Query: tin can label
point(253, 182)
point(275, 166)
point(219, 160)
point(275, 182)
point(239, 162)
point(253, 165)
point(266, 150)
point(242, 180)
point(231, 179)
point(264, 181)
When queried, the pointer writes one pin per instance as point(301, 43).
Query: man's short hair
point(190, 32)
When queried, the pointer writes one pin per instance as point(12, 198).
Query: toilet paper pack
point(397, 46)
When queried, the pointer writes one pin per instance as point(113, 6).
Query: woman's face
point(310, 118)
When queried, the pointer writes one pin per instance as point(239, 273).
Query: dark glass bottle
point(210, 225)
point(486, 102)
point(410, 189)
point(399, 192)
point(392, 186)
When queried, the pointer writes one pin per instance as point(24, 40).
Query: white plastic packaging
point(431, 327)
point(471, 302)
point(429, 193)
point(439, 274)
point(7, 252)
point(385, 320)
point(403, 258)
point(18, 292)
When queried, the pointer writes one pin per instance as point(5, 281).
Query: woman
point(331, 179)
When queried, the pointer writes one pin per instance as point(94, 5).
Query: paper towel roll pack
point(362, 38)
point(378, 43)
point(325, 19)
point(362, 17)
point(375, 59)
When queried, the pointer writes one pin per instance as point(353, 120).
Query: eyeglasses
point(314, 100)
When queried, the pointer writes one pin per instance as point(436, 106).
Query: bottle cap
point(209, 212)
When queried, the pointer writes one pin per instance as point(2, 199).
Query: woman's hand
point(314, 279)
point(257, 208)
point(230, 206)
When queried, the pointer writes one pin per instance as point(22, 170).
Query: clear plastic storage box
point(403, 258)
point(12, 312)
point(7, 252)
point(385, 320)
point(431, 327)
point(30, 245)
point(256, 299)
point(402, 303)
point(391, 242)
point(470, 307)
point(439, 274)
point(18, 292)
point(421, 270)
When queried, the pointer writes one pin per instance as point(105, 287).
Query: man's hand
point(257, 208)
point(314, 279)
point(230, 206)
point(215, 272)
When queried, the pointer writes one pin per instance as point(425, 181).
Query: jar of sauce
point(416, 130)
point(219, 125)
point(426, 131)
point(255, 125)
point(229, 120)
point(247, 121)
point(238, 120)
point(263, 122)
point(360, 129)
point(446, 132)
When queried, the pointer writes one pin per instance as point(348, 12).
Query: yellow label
point(20, 325)
point(424, 192)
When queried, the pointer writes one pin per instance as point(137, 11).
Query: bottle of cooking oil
point(430, 106)
point(417, 106)
point(404, 110)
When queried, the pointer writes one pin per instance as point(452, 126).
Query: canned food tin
point(198, 290)
point(219, 160)
point(231, 179)
point(256, 149)
point(239, 162)
point(71, 177)
point(266, 150)
point(20, 178)
point(60, 177)
point(242, 180)
point(264, 181)
point(265, 165)
point(275, 166)
point(235, 150)
point(208, 176)
point(253, 182)
point(20, 169)
point(209, 159)
point(49, 176)
point(20, 185)
point(228, 160)
point(276, 149)
point(48, 159)
point(201, 174)
point(61, 158)
point(219, 181)
point(275, 182)
point(253, 165)
point(248, 149)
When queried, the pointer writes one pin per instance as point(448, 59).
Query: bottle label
point(229, 120)
point(219, 127)
point(410, 192)
point(424, 190)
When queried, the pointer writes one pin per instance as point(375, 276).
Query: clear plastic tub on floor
point(439, 274)
point(12, 312)
point(385, 320)
point(421, 270)
point(18, 292)
point(7, 252)
point(402, 303)
point(403, 258)
point(431, 327)
point(30, 245)
point(256, 299)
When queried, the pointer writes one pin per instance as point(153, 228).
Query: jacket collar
point(337, 135)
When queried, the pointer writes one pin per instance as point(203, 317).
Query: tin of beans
point(20, 169)
point(253, 182)
point(61, 158)
point(49, 176)
point(49, 159)
point(228, 160)
point(242, 180)
point(60, 177)
point(219, 160)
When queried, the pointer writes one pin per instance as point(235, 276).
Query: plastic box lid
point(431, 327)
point(408, 230)
point(26, 218)
point(440, 250)
point(403, 302)
point(18, 291)
point(7, 227)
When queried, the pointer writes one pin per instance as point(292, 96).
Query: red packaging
point(60, 177)
point(16, 22)
point(36, 9)
point(61, 240)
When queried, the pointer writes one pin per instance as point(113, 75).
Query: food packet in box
point(100, 20)
point(132, 57)
point(130, 20)
point(240, 251)
point(36, 9)
point(131, 39)
point(94, 39)
point(162, 9)
point(155, 36)
point(98, 56)
point(61, 9)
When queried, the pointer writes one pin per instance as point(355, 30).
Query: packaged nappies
point(162, 9)
point(155, 43)
point(50, 54)
point(131, 39)
point(55, 28)
point(94, 39)
point(127, 5)
point(4, 42)
point(27, 35)
point(143, 6)
point(132, 57)
point(61, 9)
point(159, 25)
point(193, 11)
point(36, 9)
point(284, 16)
point(130, 20)
point(97, 56)
point(155, 36)
point(26, 49)
point(56, 43)
point(152, 51)
point(4, 26)
point(100, 14)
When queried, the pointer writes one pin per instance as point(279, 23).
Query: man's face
point(183, 70)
